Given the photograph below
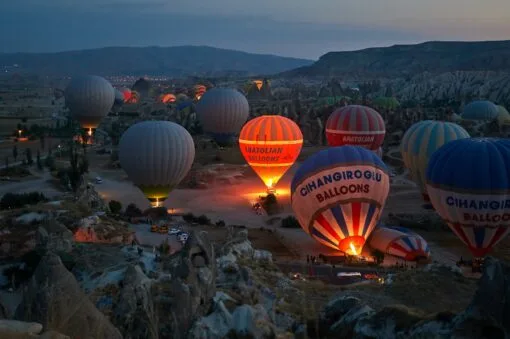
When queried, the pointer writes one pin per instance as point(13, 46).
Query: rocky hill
point(408, 60)
point(171, 61)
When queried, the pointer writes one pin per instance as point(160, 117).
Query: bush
point(133, 211)
point(290, 222)
point(13, 200)
point(115, 206)
point(30, 260)
point(203, 220)
point(220, 223)
point(189, 217)
point(270, 204)
point(156, 212)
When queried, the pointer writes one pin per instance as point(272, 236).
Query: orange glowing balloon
point(168, 98)
point(258, 83)
point(270, 144)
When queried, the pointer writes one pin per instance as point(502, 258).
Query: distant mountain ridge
point(170, 61)
point(407, 60)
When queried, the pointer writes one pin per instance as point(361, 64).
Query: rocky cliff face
point(53, 298)
point(459, 86)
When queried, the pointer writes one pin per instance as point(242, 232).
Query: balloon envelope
point(480, 110)
point(222, 112)
point(355, 125)
point(399, 242)
point(199, 91)
point(469, 186)
point(270, 144)
point(89, 98)
point(168, 98)
point(338, 194)
point(420, 141)
point(156, 156)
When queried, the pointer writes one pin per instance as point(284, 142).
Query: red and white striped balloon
point(355, 125)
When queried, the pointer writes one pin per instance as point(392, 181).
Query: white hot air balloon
point(222, 112)
point(89, 98)
point(156, 156)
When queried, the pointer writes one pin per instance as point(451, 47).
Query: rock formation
point(53, 298)
point(186, 294)
point(134, 313)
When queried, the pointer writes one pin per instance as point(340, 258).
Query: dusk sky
point(299, 28)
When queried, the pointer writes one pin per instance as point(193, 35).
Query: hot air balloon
point(258, 83)
point(270, 144)
point(399, 242)
point(168, 98)
point(222, 112)
point(134, 97)
point(119, 98)
point(89, 98)
point(156, 155)
point(469, 186)
point(379, 152)
point(338, 195)
point(126, 93)
point(199, 91)
point(480, 110)
point(355, 125)
point(420, 141)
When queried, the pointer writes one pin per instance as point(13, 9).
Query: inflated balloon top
point(89, 98)
point(338, 195)
point(420, 141)
point(156, 155)
point(222, 112)
point(480, 110)
point(355, 125)
point(468, 183)
point(270, 144)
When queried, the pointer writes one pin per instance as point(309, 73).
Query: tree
point(39, 162)
point(115, 206)
point(28, 155)
point(15, 152)
point(43, 143)
point(378, 256)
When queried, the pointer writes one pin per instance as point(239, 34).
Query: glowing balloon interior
point(270, 144)
point(469, 186)
point(338, 194)
point(258, 83)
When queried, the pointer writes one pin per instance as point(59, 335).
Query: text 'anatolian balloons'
point(338, 195)
point(270, 144)
point(468, 183)
point(355, 125)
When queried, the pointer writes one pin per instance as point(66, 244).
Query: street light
point(19, 133)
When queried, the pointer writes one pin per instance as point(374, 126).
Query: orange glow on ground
point(174, 211)
point(253, 197)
